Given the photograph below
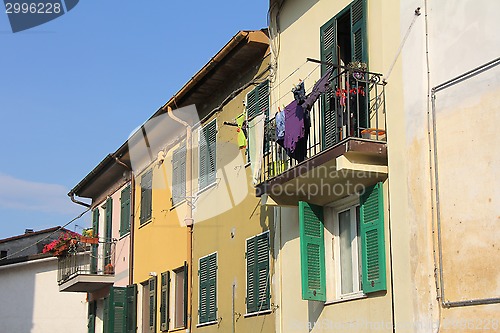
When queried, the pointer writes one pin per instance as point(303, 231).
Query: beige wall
point(461, 36)
point(226, 214)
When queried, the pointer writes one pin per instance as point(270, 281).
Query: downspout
point(132, 224)
point(72, 196)
point(188, 220)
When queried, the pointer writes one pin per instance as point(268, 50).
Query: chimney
point(28, 231)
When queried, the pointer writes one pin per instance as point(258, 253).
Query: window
point(146, 196)
point(346, 250)
point(357, 243)
point(257, 255)
point(207, 311)
point(125, 211)
point(119, 310)
point(257, 102)
point(179, 296)
point(179, 175)
point(343, 40)
point(207, 154)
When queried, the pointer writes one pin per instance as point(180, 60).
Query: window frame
point(332, 247)
point(268, 282)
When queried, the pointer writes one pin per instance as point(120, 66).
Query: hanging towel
point(256, 144)
point(242, 138)
point(322, 86)
point(280, 125)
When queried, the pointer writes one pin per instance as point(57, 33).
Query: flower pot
point(89, 240)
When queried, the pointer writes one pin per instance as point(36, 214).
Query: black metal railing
point(86, 261)
point(354, 106)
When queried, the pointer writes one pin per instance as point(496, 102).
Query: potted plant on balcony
point(61, 246)
point(88, 236)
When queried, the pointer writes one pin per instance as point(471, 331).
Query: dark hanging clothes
point(322, 86)
point(299, 93)
point(297, 123)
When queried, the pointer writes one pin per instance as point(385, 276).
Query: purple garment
point(294, 125)
point(320, 87)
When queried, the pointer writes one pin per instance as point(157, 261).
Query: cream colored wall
point(462, 36)
point(300, 23)
point(226, 215)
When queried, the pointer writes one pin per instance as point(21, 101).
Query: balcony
point(85, 270)
point(346, 149)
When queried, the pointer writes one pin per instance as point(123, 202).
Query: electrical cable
point(41, 240)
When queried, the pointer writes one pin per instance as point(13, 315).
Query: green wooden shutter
point(263, 271)
point(108, 319)
point(91, 317)
point(164, 302)
point(203, 291)
point(119, 311)
point(109, 235)
point(252, 284)
point(207, 310)
point(328, 43)
point(125, 211)
point(312, 252)
point(152, 304)
point(372, 239)
point(258, 294)
point(131, 309)
point(212, 287)
point(146, 196)
point(359, 51)
point(178, 176)
point(94, 247)
point(208, 150)
point(212, 151)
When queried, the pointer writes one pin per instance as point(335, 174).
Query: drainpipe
point(132, 224)
point(72, 196)
point(188, 220)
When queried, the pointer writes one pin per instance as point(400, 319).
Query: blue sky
point(73, 89)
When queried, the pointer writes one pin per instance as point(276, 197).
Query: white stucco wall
point(32, 303)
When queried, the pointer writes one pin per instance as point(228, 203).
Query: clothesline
point(307, 90)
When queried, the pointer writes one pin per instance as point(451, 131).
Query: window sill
point(124, 235)
point(346, 298)
point(177, 204)
point(207, 323)
point(145, 223)
point(177, 329)
point(206, 188)
point(258, 313)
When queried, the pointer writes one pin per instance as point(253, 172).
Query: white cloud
point(19, 194)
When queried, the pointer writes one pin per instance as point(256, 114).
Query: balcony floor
point(337, 172)
point(86, 283)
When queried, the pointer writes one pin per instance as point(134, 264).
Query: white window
point(343, 256)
